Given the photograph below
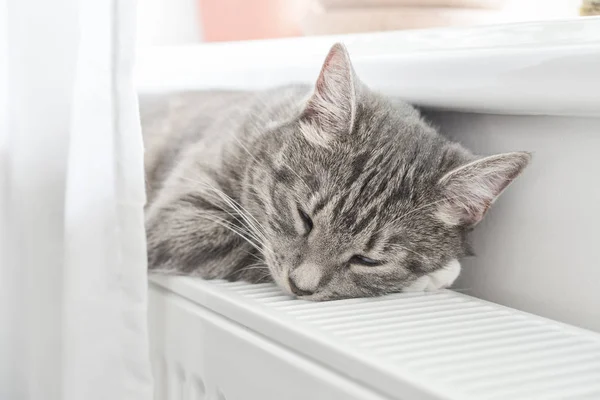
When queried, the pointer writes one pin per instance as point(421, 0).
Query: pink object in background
point(230, 20)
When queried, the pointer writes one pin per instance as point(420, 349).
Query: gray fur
point(373, 176)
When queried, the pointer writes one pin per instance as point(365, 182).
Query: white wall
point(538, 249)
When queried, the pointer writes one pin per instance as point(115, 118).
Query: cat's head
point(360, 197)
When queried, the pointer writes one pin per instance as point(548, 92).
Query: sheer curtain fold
point(72, 254)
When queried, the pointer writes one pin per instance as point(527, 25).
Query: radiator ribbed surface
point(465, 348)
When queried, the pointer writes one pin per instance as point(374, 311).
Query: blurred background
point(176, 22)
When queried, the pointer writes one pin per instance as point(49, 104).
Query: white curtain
point(72, 250)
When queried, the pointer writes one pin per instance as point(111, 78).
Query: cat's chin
point(439, 279)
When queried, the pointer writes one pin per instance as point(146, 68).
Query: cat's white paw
point(440, 279)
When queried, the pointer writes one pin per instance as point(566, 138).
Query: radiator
point(239, 341)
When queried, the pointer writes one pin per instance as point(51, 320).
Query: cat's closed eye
point(366, 261)
point(308, 224)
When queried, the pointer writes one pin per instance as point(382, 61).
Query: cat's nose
point(296, 290)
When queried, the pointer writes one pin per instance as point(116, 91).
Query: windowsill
point(548, 68)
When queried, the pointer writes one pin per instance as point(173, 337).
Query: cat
point(332, 191)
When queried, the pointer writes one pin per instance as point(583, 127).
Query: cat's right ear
point(331, 109)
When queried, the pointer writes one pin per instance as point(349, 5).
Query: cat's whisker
point(256, 242)
point(240, 234)
point(255, 267)
point(250, 234)
point(246, 149)
point(257, 258)
point(261, 279)
point(226, 225)
point(256, 232)
point(238, 209)
point(223, 196)
point(245, 269)
point(260, 262)
point(235, 205)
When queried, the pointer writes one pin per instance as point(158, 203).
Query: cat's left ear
point(331, 109)
point(468, 191)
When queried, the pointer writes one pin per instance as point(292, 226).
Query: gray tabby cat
point(332, 192)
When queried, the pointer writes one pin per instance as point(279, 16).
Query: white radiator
point(238, 341)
